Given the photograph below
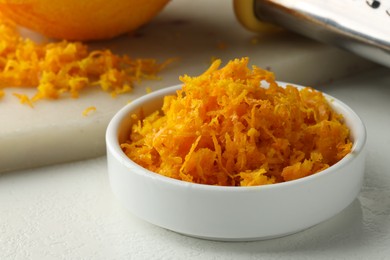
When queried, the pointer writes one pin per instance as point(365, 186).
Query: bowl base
point(240, 239)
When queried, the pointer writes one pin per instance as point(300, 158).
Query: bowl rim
point(113, 145)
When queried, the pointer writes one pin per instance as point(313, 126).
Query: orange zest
point(65, 68)
point(89, 110)
point(236, 126)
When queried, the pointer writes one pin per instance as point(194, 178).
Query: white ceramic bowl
point(232, 213)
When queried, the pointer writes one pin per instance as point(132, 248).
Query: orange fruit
point(81, 19)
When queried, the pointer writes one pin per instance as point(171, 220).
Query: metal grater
point(360, 26)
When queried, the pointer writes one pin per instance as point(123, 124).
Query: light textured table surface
point(68, 211)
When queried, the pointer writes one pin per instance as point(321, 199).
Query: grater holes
point(373, 3)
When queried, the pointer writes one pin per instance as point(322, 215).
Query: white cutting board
point(194, 32)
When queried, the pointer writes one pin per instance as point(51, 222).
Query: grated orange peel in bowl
point(221, 163)
point(223, 128)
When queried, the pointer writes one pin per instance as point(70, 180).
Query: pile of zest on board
point(224, 128)
point(59, 68)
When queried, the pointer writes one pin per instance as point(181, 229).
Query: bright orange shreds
point(148, 90)
point(223, 128)
point(89, 110)
point(59, 68)
point(24, 99)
